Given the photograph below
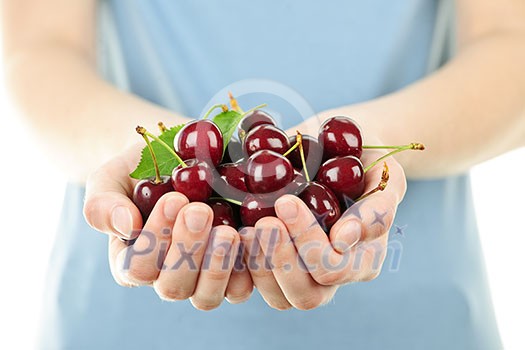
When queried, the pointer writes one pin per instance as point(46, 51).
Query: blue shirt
point(432, 293)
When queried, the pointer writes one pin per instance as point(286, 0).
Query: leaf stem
point(143, 131)
point(397, 149)
point(214, 107)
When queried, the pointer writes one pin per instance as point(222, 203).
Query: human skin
point(469, 111)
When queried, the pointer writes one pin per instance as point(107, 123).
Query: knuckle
point(280, 305)
point(91, 211)
point(330, 278)
point(280, 264)
point(261, 273)
point(309, 301)
point(372, 275)
point(122, 282)
point(216, 274)
point(239, 295)
point(172, 292)
point(206, 304)
point(141, 274)
point(238, 298)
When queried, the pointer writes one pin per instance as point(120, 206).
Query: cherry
point(233, 152)
point(344, 176)
point(223, 213)
point(147, 192)
point(313, 154)
point(267, 171)
point(253, 119)
point(255, 207)
point(322, 203)
point(200, 139)
point(295, 186)
point(230, 182)
point(339, 137)
point(193, 180)
point(267, 137)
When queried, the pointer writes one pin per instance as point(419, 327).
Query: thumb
point(107, 206)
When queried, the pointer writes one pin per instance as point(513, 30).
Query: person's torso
point(432, 292)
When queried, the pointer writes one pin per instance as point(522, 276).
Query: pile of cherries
point(258, 166)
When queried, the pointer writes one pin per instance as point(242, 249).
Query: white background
point(30, 201)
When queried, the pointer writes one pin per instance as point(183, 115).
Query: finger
point(372, 217)
point(108, 207)
point(141, 262)
point(262, 276)
point(326, 264)
point(115, 246)
point(397, 180)
point(178, 277)
point(292, 276)
point(367, 260)
point(240, 287)
point(216, 268)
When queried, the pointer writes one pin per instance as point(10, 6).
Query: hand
point(176, 251)
point(294, 263)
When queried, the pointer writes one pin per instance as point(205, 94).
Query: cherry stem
point(143, 131)
point(214, 107)
point(415, 146)
point(234, 103)
point(299, 139)
point(385, 176)
point(154, 158)
point(162, 127)
point(293, 148)
point(228, 200)
point(398, 149)
point(254, 109)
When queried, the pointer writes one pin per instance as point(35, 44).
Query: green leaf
point(227, 123)
point(146, 169)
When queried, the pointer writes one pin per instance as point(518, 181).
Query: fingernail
point(222, 244)
point(349, 234)
point(122, 221)
point(196, 219)
point(286, 210)
point(171, 208)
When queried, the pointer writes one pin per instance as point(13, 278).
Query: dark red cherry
point(295, 186)
point(146, 194)
point(322, 203)
point(222, 213)
point(267, 137)
point(233, 152)
point(344, 176)
point(339, 137)
point(193, 181)
point(200, 139)
point(253, 119)
point(313, 154)
point(230, 182)
point(267, 171)
point(255, 207)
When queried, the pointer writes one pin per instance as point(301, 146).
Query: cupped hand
point(294, 263)
point(176, 250)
